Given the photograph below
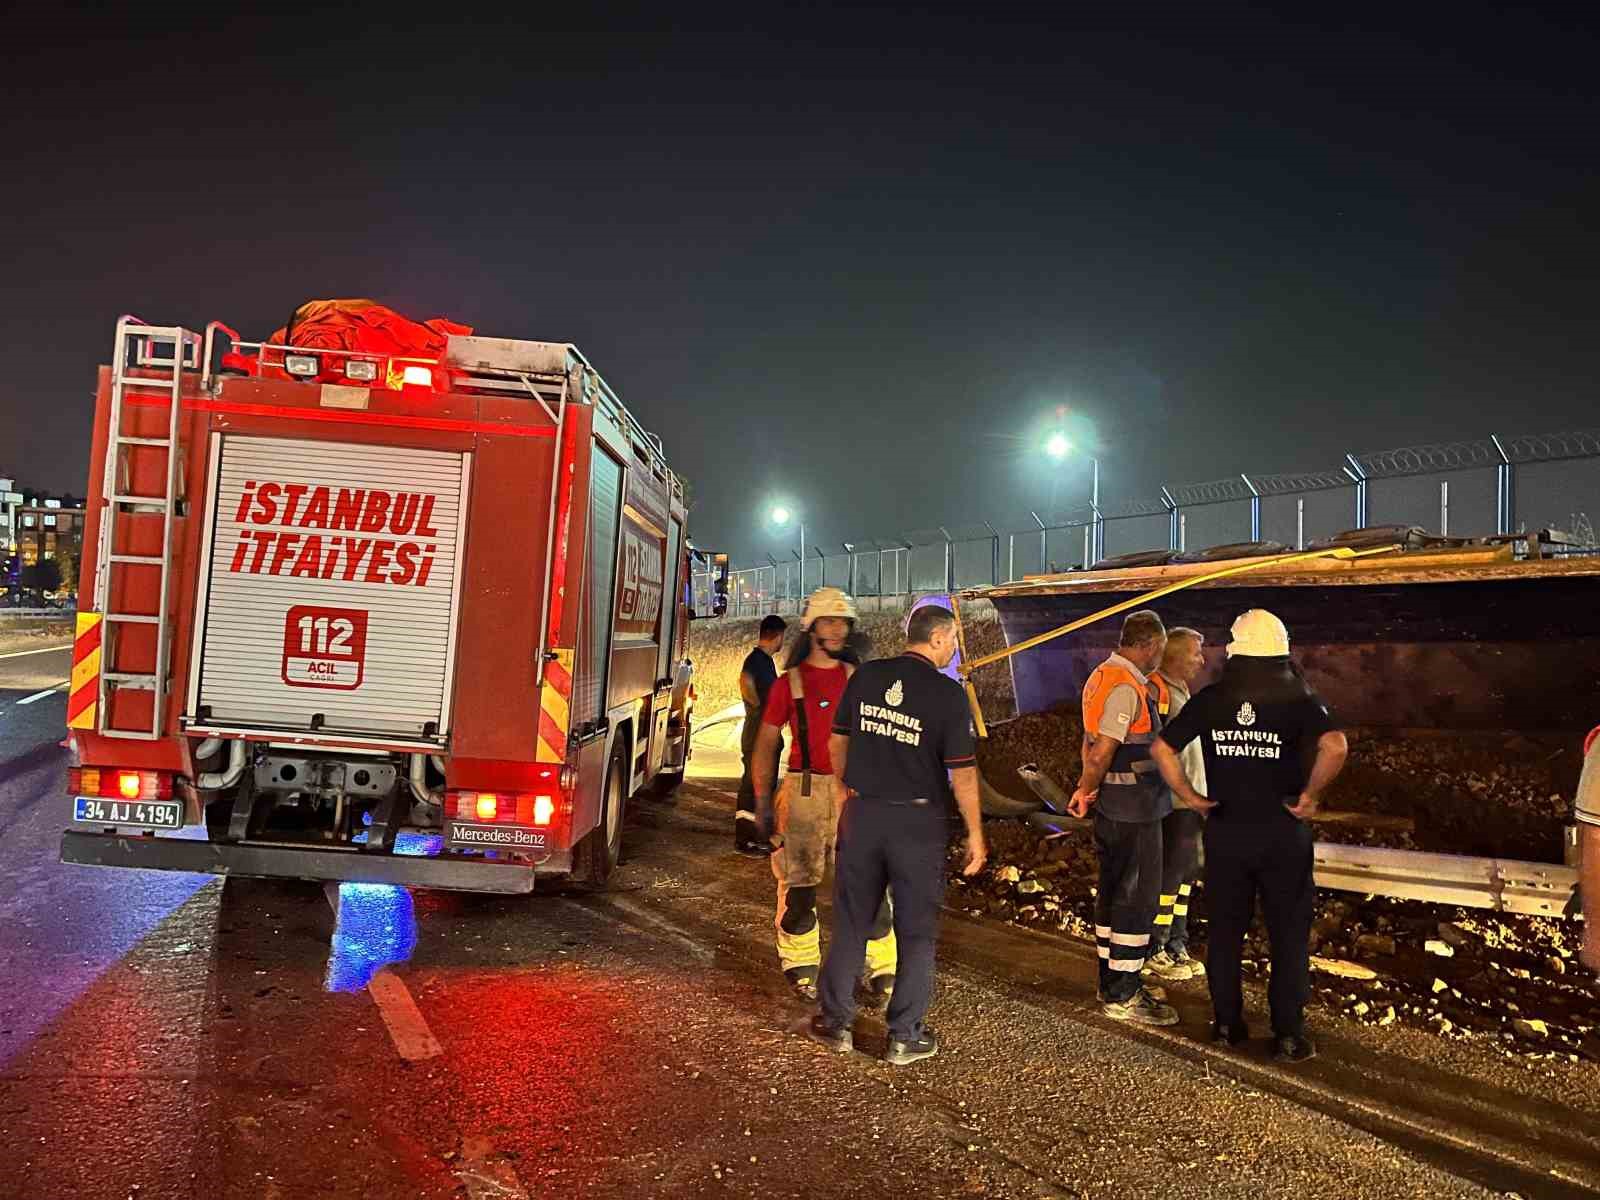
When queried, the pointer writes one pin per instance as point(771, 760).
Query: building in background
point(37, 528)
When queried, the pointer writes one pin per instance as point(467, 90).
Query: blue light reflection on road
point(376, 923)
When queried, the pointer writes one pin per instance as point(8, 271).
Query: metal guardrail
point(949, 557)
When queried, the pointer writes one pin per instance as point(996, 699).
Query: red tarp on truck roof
point(359, 325)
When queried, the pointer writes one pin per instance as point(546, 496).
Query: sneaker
point(841, 1041)
point(1229, 1035)
point(1294, 1049)
point(1163, 966)
point(753, 849)
point(1141, 1007)
point(903, 1054)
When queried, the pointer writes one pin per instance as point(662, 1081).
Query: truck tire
point(596, 856)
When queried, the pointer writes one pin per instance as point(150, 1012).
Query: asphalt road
point(166, 1036)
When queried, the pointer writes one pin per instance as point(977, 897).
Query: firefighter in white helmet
point(1271, 749)
point(802, 820)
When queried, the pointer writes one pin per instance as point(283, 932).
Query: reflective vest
point(1132, 782)
point(1163, 696)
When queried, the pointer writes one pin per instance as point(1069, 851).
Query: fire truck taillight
point(544, 810)
point(301, 364)
point(119, 785)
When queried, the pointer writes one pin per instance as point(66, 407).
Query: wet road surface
point(162, 1035)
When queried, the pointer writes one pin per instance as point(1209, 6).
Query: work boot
point(1162, 965)
point(841, 1041)
point(803, 982)
point(747, 840)
point(1295, 1048)
point(1229, 1035)
point(1142, 1008)
point(903, 1054)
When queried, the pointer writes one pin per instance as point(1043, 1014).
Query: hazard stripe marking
point(552, 740)
point(83, 700)
point(555, 707)
point(558, 710)
point(556, 672)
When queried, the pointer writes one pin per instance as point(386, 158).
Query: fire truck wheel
point(595, 857)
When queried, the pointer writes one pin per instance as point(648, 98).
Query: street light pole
point(1099, 521)
point(1058, 445)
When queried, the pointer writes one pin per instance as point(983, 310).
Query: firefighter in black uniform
point(902, 735)
point(1270, 751)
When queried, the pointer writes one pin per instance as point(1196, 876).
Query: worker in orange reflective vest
point(1120, 720)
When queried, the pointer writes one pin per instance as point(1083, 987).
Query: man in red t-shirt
point(803, 819)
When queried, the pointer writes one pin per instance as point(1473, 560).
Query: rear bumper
point(450, 872)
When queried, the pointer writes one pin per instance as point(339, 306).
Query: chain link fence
point(1455, 489)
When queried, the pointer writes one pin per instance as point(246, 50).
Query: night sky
point(857, 258)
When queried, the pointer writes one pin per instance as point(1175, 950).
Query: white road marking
point(407, 1027)
point(41, 695)
point(45, 650)
point(643, 914)
point(400, 1013)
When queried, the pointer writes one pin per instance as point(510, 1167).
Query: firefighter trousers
point(807, 833)
point(1125, 905)
point(1271, 859)
point(1180, 867)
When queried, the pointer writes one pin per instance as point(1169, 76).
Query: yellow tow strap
point(1256, 564)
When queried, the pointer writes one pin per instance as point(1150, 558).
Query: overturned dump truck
point(1482, 647)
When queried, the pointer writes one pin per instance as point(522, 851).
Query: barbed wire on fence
point(1552, 447)
point(1429, 460)
point(1298, 482)
point(889, 566)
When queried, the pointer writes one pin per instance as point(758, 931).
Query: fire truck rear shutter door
point(310, 623)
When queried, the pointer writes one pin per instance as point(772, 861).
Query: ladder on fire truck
point(147, 362)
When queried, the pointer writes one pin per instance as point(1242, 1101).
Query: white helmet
point(1258, 634)
point(827, 602)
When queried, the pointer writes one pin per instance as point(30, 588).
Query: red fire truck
point(372, 616)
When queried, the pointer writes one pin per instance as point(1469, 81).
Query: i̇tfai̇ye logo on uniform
point(1247, 715)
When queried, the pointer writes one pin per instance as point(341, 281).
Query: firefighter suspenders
point(797, 693)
